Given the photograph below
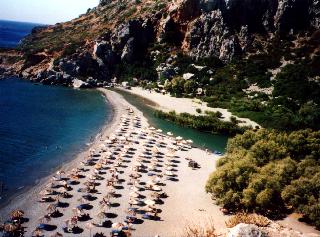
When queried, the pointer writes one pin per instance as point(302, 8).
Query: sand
point(187, 201)
point(168, 103)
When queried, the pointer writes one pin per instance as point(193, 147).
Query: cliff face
point(122, 32)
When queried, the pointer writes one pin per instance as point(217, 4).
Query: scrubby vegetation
point(207, 123)
point(205, 229)
point(246, 218)
point(294, 90)
point(293, 103)
point(270, 172)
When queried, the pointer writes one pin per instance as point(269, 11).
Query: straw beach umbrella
point(52, 207)
point(134, 194)
point(60, 173)
point(102, 216)
point(57, 234)
point(37, 233)
point(117, 226)
point(149, 202)
point(179, 138)
point(89, 226)
point(10, 227)
point(45, 192)
point(45, 219)
point(16, 214)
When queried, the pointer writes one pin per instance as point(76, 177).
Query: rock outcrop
point(245, 230)
point(209, 36)
point(131, 40)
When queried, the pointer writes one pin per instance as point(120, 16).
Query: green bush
point(207, 123)
point(268, 172)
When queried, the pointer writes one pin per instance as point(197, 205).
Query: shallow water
point(201, 139)
point(41, 127)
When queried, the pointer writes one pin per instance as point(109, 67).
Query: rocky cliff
point(133, 31)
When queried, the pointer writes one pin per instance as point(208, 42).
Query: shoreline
point(28, 201)
point(196, 205)
point(68, 163)
point(109, 124)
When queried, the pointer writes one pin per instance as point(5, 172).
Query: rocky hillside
point(131, 31)
point(258, 58)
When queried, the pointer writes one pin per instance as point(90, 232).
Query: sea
point(11, 32)
point(43, 127)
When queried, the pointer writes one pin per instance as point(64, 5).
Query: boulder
point(41, 75)
point(198, 67)
point(166, 71)
point(187, 76)
point(76, 83)
point(245, 230)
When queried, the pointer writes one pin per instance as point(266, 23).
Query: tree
point(268, 171)
point(177, 86)
point(190, 87)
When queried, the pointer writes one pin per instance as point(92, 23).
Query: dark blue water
point(42, 127)
point(11, 32)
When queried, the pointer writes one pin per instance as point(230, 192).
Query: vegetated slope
point(270, 172)
point(234, 54)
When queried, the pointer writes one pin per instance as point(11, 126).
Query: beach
point(167, 103)
point(174, 214)
point(133, 177)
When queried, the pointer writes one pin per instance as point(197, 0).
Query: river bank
point(168, 103)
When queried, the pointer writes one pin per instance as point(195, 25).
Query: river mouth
point(213, 142)
point(42, 128)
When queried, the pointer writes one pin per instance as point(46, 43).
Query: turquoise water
point(206, 140)
point(41, 127)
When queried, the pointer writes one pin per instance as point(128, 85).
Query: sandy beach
point(132, 177)
point(173, 214)
point(168, 103)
